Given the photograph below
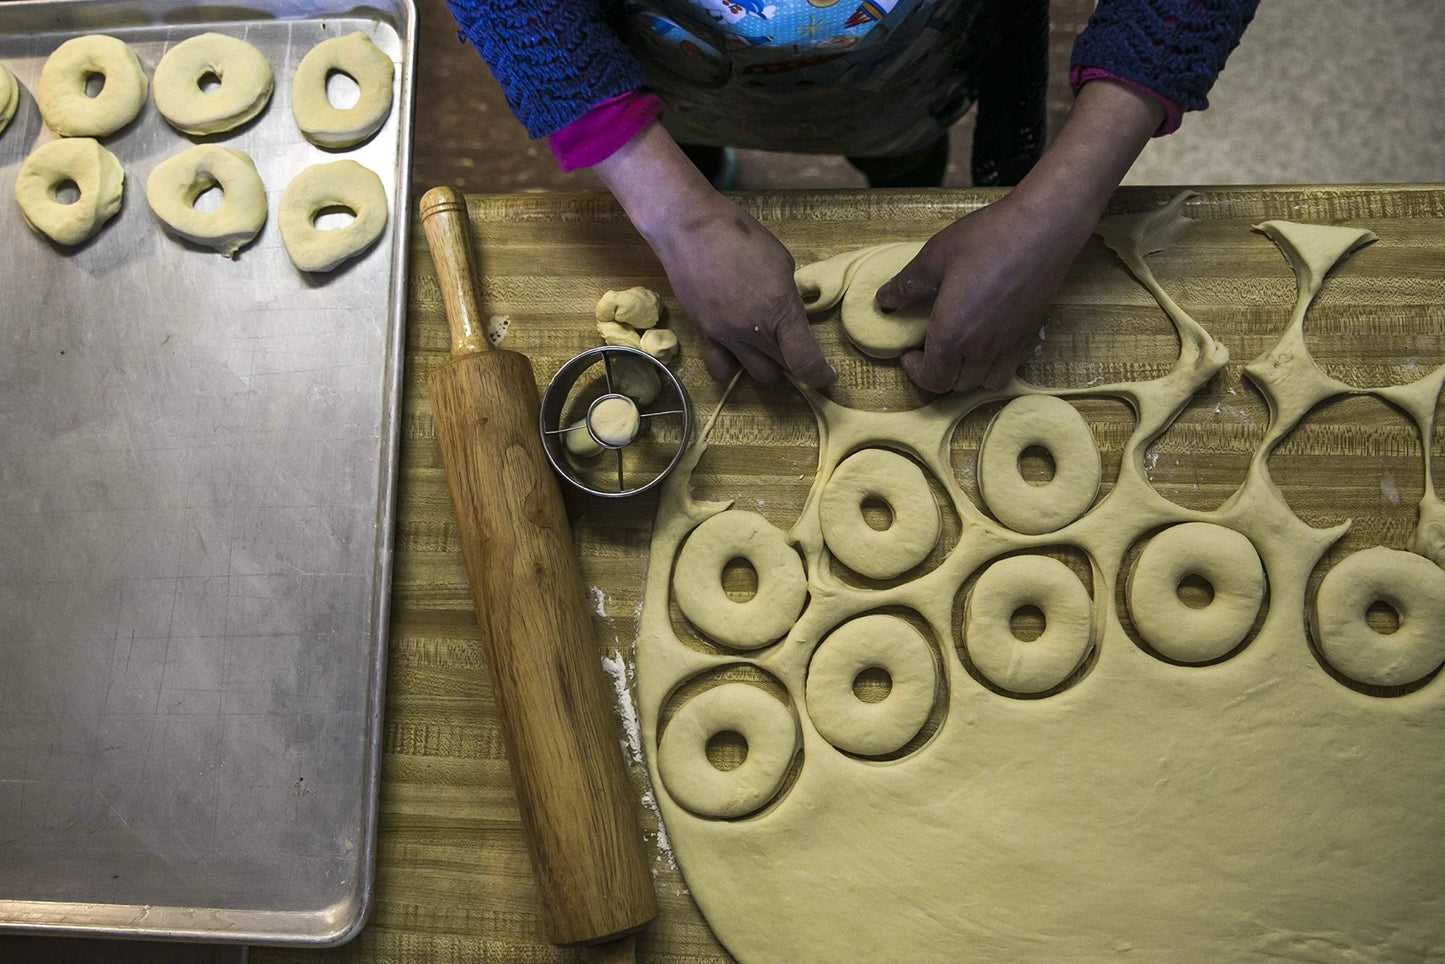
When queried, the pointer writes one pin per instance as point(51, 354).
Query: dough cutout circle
point(176, 183)
point(742, 708)
point(344, 184)
point(245, 84)
point(1047, 422)
point(60, 92)
point(1411, 585)
point(890, 478)
point(613, 421)
point(9, 97)
point(1223, 558)
point(1012, 584)
point(782, 584)
point(90, 167)
point(877, 641)
point(358, 58)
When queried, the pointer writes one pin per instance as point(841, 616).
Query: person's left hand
point(990, 276)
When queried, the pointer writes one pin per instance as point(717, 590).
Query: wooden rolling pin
point(563, 738)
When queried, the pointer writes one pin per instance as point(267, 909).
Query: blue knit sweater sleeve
point(1176, 48)
point(555, 59)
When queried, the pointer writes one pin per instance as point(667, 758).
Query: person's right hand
point(733, 278)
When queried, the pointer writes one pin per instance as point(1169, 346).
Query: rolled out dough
point(1255, 808)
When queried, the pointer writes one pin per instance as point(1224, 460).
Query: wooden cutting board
point(452, 879)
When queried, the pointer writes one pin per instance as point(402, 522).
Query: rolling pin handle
point(444, 218)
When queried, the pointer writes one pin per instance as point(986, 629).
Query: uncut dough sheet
point(1261, 804)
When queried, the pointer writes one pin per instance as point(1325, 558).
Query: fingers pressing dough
point(340, 184)
point(61, 95)
point(245, 84)
point(358, 58)
point(176, 183)
point(91, 168)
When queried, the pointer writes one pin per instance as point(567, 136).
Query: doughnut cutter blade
point(619, 470)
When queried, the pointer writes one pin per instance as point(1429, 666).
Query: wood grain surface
point(453, 882)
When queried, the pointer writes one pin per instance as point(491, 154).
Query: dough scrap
point(878, 474)
point(175, 183)
point(1140, 808)
point(332, 127)
point(1052, 424)
point(1411, 585)
point(94, 170)
point(638, 308)
point(1037, 665)
point(60, 93)
point(614, 421)
point(660, 343)
point(616, 333)
point(579, 441)
point(9, 97)
point(344, 184)
point(782, 586)
point(878, 641)
point(1224, 559)
point(637, 379)
point(245, 87)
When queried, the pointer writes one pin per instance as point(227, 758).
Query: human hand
point(735, 281)
point(990, 276)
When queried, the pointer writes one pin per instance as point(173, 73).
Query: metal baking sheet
point(197, 467)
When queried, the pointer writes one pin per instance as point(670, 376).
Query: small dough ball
point(358, 58)
point(660, 344)
point(340, 184)
point(639, 307)
point(614, 420)
point(78, 160)
point(61, 96)
point(245, 84)
point(580, 442)
point(176, 183)
point(9, 97)
point(614, 333)
point(636, 379)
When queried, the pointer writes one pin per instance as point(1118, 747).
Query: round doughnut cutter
point(615, 421)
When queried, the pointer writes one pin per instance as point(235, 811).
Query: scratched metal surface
point(196, 490)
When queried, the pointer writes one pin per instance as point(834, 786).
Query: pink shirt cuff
point(599, 133)
point(1173, 113)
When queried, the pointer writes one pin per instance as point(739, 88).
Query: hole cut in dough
point(688, 772)
point(1411, 585)
point(1012, 584)
point(879, 644)
point(1050, 423)
point(698, 580)
point(1164, 586)
point(61, 95)
point(877, 475)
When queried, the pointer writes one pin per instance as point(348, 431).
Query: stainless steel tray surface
point(197, 462)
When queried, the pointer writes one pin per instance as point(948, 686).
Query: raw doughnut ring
point(782, 584)
point(1006, 587)
point(94, 171)
point(871, 642)
point(61, 97)
point(244, 74)
point(752, 713)
point(176, 182)
point(343, 184)
point(358, 58)
point(9, 97)
point(1221, 557)
point(1411, 585)
point(892, 479)
point(1052, 424)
